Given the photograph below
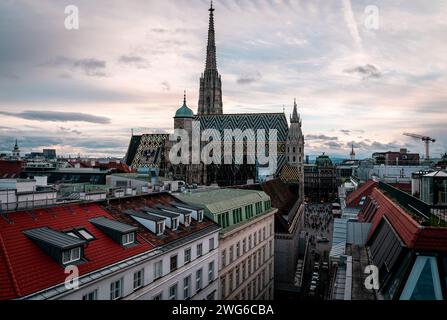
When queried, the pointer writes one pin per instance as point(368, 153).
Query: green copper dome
point(184, 111)
point(323, 161)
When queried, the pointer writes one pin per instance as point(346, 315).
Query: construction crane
point(427, 141)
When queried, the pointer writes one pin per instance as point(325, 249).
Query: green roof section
point(184, 111)
point(230, 207)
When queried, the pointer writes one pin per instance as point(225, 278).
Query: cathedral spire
point(211, 63)
point(352, 152)
point(295, 117)
point(210, 96)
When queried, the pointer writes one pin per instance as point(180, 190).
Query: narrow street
point(318, 225)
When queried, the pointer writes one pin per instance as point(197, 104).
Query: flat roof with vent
point(146, 216)
point(113, 225)
point(54, 238)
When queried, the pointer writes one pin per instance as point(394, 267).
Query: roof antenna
point(184, 97)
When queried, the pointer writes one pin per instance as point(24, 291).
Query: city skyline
point(82, 91)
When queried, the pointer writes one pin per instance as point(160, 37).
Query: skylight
point(85, 234)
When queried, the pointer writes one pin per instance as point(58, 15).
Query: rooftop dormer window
point(62, 247)
point(187, 220)
point(72, 255)
point(160, 228)
point(121, 233)
point(128, 239)
point(174, 224)
point(200, 215)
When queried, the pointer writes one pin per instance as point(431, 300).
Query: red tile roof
point(11, 168)
point(27, 269)
point(353, 199)
point(413, 234)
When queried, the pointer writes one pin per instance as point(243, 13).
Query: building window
point(187, 287)
point(173, 263)
point(223, 287)
point(270, 248)
point(294, 159)
point(160, 228)
point(249, 242)
point(173, 292)
point(237, 276)
point(116, 290)
point(230, 281)
point(224, 258)
point(158, 296)
point(243, 270)
point(200, 215)
point(211, 272)
point(294, 149)
point(187, 255)
point(211, 296)
point(199, 250)
point(249, 265)
point(199, 280)
point(238, 249)
point(71, 255)
point(263, 233)
point(267, 205)
point(244, 245)
point(174, 224)
point(255, 238)
point(211, 245)
point(258, 207)
point(138, 279)
point(231, 254)
point(128, 239)
point(271, 229)
point(91, 295)
point(158, 269)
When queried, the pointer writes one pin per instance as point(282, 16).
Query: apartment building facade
point(134, 248)
point(246, 244)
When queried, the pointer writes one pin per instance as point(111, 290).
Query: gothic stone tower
point(295, 146)
point(210, 96)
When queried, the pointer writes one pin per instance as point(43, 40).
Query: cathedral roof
point(254, 121)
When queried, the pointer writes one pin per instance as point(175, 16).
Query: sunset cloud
point(130, 61)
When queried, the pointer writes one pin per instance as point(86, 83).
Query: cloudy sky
point(82, 91)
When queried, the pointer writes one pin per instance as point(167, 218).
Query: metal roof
point(222, 200)
point(113, 225)
point(54, 238)
point(436, 174)
point(146, 216)
point(163, 213)
point(172, 209)
point(358, 232)
point(188, 205)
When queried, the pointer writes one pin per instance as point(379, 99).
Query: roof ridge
point(9, 266)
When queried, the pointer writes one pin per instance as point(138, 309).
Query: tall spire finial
point(211, 63)
point(184, 97)
point(295, 118)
